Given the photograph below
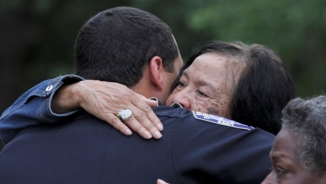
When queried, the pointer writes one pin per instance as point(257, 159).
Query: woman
point(250, 84)
point(299, 150)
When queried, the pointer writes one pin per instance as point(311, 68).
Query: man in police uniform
point(196, 147)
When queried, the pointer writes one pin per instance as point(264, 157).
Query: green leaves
point(295, 29)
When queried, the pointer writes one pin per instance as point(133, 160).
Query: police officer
point(196, 147)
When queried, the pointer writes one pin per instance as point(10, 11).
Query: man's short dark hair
point(115, 45)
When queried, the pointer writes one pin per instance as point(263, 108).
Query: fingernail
point(147, 135)
point(128, 132)
point(160, 126)
point(157, 134)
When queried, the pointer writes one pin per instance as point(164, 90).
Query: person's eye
point(180, 84)
point(280, 171)
point(201, 93)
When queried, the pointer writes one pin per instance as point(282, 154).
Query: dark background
point(37, 36)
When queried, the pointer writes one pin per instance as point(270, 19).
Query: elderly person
point(236, 81)
point(299, 150)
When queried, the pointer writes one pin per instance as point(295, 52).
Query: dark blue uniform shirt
point(195, 148)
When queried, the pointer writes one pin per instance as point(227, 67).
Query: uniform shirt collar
point(175, 104)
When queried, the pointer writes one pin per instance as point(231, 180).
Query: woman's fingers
point(105, 99)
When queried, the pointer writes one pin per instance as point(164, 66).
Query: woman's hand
point(104, 100)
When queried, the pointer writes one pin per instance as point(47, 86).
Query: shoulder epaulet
point(220, 120)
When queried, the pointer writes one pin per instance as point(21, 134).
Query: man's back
point(87, 150)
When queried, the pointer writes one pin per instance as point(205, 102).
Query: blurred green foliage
point(37, 36)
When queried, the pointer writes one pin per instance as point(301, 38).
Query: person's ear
point(156, 69)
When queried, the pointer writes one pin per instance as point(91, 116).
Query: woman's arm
point(56, 99)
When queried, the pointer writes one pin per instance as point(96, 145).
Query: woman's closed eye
point(280, 171)
point(180, 84)
point(202, 94)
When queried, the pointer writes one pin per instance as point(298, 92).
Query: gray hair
point(306, 120)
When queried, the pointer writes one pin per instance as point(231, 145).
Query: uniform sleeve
point(33, 107)
point(209, 153)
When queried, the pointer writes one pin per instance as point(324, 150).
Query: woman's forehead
point(214, 66)
point(207, 62)
point(284, 142)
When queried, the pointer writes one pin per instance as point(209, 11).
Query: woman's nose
point(183, 98)
point(268, 179)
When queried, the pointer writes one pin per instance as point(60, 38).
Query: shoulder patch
point(220, 120)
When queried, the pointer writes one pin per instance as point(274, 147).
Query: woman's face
point(207, 84)
point(286, 168)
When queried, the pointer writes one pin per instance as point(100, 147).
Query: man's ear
point(156, 72)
